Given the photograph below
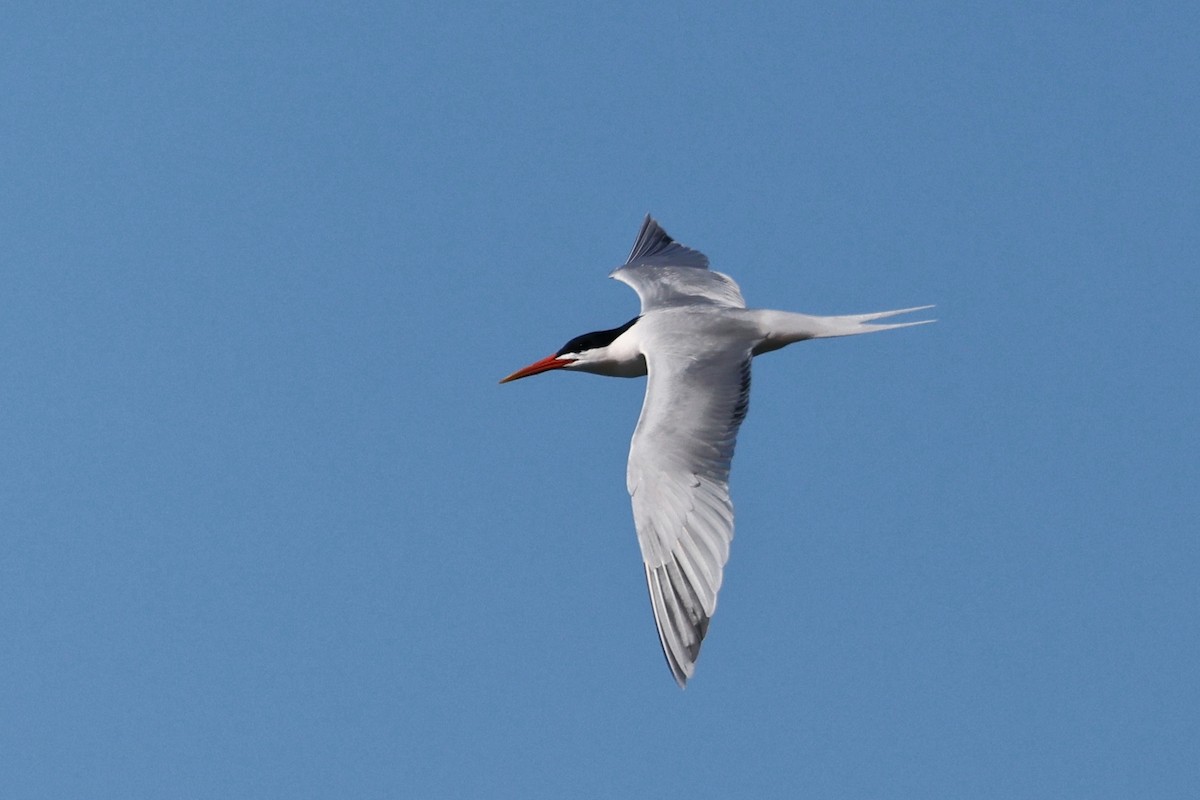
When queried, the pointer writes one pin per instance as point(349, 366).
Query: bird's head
point(592, 352)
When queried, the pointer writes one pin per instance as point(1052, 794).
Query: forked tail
point(785, 327)
point(861, 323)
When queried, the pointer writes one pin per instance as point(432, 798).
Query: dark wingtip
point(655, 243)
point(681, 677)
point(651, 239)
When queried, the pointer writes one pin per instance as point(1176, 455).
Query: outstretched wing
point(678, 479)
point(665, 273)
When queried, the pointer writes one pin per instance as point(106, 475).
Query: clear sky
point(269, 528)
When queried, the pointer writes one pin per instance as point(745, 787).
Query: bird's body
point(694, 340)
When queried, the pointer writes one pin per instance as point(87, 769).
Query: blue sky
point(269, 527)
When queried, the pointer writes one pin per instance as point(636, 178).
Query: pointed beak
point(546, 364)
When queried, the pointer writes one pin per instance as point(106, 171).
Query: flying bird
point(694, 339)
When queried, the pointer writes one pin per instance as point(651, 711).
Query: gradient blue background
point(270, 529)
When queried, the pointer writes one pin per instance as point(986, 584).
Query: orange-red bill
point(546, 364)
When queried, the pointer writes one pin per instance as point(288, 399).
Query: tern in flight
point(694, 339)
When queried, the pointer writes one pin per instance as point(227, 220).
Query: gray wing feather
point(666, 273)
point(654, 246)
point(678, 481)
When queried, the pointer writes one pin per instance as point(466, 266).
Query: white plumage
point(694, 339)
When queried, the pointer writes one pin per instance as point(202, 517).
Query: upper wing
point(678, 480)
point(665, 273)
